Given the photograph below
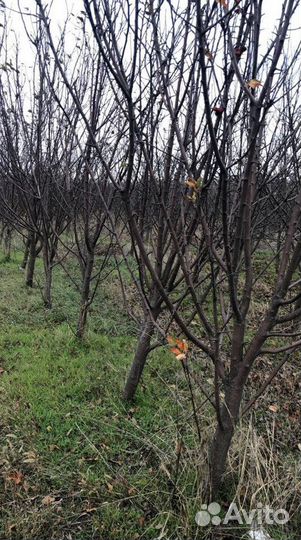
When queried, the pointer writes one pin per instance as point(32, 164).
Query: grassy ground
point(76, 462)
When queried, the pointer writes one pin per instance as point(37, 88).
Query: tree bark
point(26, 254)
point(223, 436)
point(140, 358)
point(7, 243)
point(48, 258)
point(31, 261)
point(48, 287)
point(85, 301)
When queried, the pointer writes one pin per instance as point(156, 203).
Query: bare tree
point(198, 148)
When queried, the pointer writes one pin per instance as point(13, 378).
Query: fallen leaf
point(142, 521)
point(16, 477)
point(48, 500)
point(273, 408)
point(179, 447)
point(30, 457)
point(53, 447)
point(89, 511)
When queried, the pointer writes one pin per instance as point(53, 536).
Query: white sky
point(59, 11)
point(61, 8)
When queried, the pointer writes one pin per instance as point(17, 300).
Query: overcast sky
point(60, 9)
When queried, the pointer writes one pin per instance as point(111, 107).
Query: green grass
point(77, 463)
point(106, 467)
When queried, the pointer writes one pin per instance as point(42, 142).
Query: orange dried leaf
point(16, 477)
point(254, 83)
point(182, 345)
point(223, 3)
point(179, 347)
point(191, 183)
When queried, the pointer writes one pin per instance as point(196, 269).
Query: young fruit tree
point(206, 165)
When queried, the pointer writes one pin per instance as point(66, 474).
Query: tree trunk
point(7, 243)
point(140, 358)
point(278, 251)
point(48, 257)
point(31, 261)
point(26, 254)
point(48, 287)
point(223, 436)
point(85, 301)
